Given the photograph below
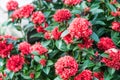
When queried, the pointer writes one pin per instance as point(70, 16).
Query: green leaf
point(37, 58)
point(46, 70)
point(25, 77)
point(95, 37)
point(11, 74)
point(111, 7)
point(64, 33)
point(49, 63)
point(37, 74)
point(58, 78)
point(35, 53)
point(104, 55)
point(111, 71)
point(46, 43)
point(37, 35)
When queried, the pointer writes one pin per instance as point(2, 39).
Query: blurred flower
point(39, 48)
point(99, 75)
point(40, 29)
point(12, 5)
point(116, 26)
point(113, 59)
point(5, 49)
point(72, 2)
point(47, 35)
point(79, 28)
point(66, 67)
point(43, 62)
point(56, 33)
point(62, 15)
point(15, 63)
point(68, 39)
point(24, 47)
point(38, 17)
point(84, 75)
point(105, 43)
point(32, 75)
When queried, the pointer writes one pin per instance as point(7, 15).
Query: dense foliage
point(62, 40)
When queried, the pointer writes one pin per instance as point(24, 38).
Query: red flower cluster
point(66, 67)
point(116, 26)
point(56, 33)
point(40, 29)
point(113, 59)
point(86, 43)
point(115, 14)
point(38, 17)
point(5, 49)
point(15, 63)
point(103, 43)
point(23, 12)
point(39, 48)
point(99, 75)
point(84, 75)
point(12, 5)
point(43, 62)
point(24, 47)
point(47, 35)
point(32, 75)
point(62, 15)
point(71, 2)
point(79, 28)
point(68, 39)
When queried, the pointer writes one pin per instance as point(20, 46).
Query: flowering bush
point(63, 40)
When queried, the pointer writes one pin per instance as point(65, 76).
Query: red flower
point(114, 14)
point(47, 35)
point(15, 63)
point(32, 75)
point(8, 37)
point(116, 26)
point(86, 43)
point(62, 15)
point(66, 67)
point(99, 75)
point(71, 2)
point(24, 47)
point(39, 48)
point(103, 43)
point(5, 49)
point(113, 60)
point(38, 17)
point(12, 5)
point(89, 0)
point(43, 62)
point(79, 28)
point(84, 75)
point(68, 39)
point(23, 12)
point(56, 33)
point(40, 29)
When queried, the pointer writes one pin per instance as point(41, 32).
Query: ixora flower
point(15, 63)
point(23, 12)
point(56, 33)
point(103, 43)
point(113, 59)
point(84, 75)
point(68, 39)
point(38, 17)
point(12, 5)
point(66, 67)
point(24, 47)
point(79, 28)
point(39, 48)
point(62, 15)
point(40, 29)
point(43, 62)
point(99, 75)
point(116, 26)
point(5, 49)
point(72, 2)
point(47, 35)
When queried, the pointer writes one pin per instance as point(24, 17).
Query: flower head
point(38, 17)
point(79, 28)
point(84, 75)
point(15, 63)
point(71, 2)
point(66, 67)
point(24, 47)
point(62, 15)
point(12, 5)
point(116, 26)
point(43, 62)
point(68, 39)
point(56, 33)
point(99, 75)
point(103, 43)
point(39, 48)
